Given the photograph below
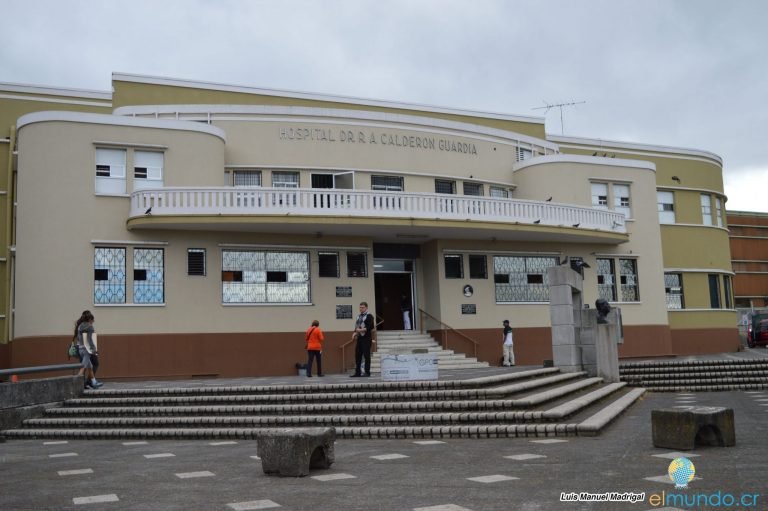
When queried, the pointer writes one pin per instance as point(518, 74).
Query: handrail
point(344, 346)
point(423, 313)
point(38, 369)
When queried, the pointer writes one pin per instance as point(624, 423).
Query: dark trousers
point(312, 354)
point(363, 351)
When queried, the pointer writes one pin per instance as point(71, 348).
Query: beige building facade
point(207, 225)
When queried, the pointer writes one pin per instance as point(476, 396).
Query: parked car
point(757, 330)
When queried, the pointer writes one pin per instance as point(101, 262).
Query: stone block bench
point(291, 452)
point(683, 429)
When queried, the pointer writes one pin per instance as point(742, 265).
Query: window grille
point(357, 264)
point(196, 262)
point(285, 179)
point(250, 276)
point(629, 283)
point(387, 183)
point(673, 289)
point(501, 193)
point(109, 275)
point(148, 275)
point(478, 267)
point(445, 186)
point(606, 280)
point(521, 278)
point(328, 264)
point(473, 189)
point(454, 266)
point(246, 178)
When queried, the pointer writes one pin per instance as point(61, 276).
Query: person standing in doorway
point(405, 306)
point(315, 338)
point(363, 335)
point(508, 346)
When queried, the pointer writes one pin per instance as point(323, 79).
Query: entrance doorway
point(393, 280)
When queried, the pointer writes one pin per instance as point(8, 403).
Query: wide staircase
point(538, 402)
point(696, 375)
point(391, 342)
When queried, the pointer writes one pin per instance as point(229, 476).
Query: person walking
point(315, 338)
point(363, 334)
point(86, 345)
point(508, 346)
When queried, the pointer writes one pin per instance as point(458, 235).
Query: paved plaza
point(403, 475)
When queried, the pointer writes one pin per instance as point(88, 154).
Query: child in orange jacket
point(314, 348)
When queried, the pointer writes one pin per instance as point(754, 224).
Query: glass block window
point(666, 205)
point(719, 211)
point(387, 183)
point(148, 272)
point(621, 200)
point(147, 169)
point(246, 178)
point(606, 280)
point(445, 186)
point(250, 276)
point(196, 262)
point(110, 171)
point(478, 267)
point(727, 292)
point(357, 264)
point(109, 275)
point(706, 209)
point(497, 191)
point(473, 189)
point(714, 291)
point(522, 279)
point(673, 289)
point(629, 284)
point(454, 266)
point(285, 179)
point(600, 195)
point(328, 264)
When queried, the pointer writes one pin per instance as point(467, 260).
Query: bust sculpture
point(603, 308)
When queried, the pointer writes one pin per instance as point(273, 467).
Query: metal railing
point(445, 328)
point(38, 369)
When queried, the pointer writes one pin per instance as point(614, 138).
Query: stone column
point(607, 348)
point(565, 303)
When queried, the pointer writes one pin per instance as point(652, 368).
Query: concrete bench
point(684, 429)
point(291, 452)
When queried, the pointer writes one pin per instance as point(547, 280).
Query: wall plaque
point(468, 308)
point(343, 291)
point(343, 312)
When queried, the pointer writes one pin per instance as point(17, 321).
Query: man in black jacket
point(363, 331)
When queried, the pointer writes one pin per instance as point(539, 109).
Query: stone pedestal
point(291, 452)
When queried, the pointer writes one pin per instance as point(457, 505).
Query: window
point(473, 189)
point(497, 191)
point(445, 186)
point(628, 279)
point(727, 292)
point(706, 209)
point(454, 266)
point(148, 270)
point(196, 262)
point(673, 288)
point(387, 183)
point(357, 264)
point(621, 200)
point(719, 212)
point(246, 178)
point(253, 276)
point(714, 291)
point(522, 279)
point(147, 169)
point(285, 179)
point(666, 204)
point(328, 264)
point(606, 280)
point(478, 267)
point(110, 171)
point(109, 275)
point(523, 154)
point(600, 195)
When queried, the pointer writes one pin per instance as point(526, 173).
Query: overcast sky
point(690, 73)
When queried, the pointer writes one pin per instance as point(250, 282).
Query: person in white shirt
point(508, 347)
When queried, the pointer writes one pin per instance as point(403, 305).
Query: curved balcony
point(371, 213)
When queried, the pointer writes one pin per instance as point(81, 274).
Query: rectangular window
point(147, 169)
point(600, 195)
point(629, 284)
point(110, 171)
point(357, 264)
point(727, 292)
point(478, 267)
point(673, 288)
point(328, 264)
point(454, 266)
point(196, 262)
point(148, 275)
point(497, 191)
point(445, 186)
point(473, 189)
point(246, 178)
point(606, 280)
point(666, 204)
point(621, 200)
point(255, 276)
point(522, 279)
point(285, 179)
point(714, 291)
point(719, 211)
point(706, 209)
point(523, 153)
point(387, 183)
point(109, 275)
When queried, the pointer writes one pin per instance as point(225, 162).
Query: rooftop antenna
point(549, 106)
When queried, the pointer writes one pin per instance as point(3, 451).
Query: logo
point(681, 471)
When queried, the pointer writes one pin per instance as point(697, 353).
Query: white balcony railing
point(364, 203)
